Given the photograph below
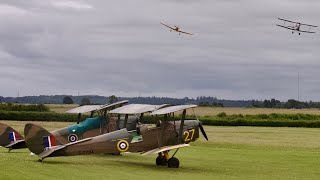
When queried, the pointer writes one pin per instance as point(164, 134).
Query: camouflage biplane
point(90, 127)
point(168, 134)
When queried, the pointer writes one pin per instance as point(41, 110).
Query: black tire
point(173, 162)
point(161, 161)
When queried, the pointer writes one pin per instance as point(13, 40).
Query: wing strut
point(181, 125)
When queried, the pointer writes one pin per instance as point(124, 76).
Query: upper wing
point(185, 32)
point(307, 31)
point(167, 26)
point(165, 148)
point(297, 22)
point(286, 20)
point(285, 27)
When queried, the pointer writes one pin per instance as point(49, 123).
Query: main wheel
point(173, 162)
point(161, 161)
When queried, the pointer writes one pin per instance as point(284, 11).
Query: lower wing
point(286, 27)
point(167, 26)
point(307, 31)
point(165, 148)
point(185, 32)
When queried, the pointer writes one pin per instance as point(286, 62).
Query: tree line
point(201, 101)
point(290, 104)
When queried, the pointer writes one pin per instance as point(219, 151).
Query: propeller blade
point(202, 130)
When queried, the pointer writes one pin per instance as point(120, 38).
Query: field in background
point(207, 111)
point(204, 111)
point(230, 153)
point(61, 108)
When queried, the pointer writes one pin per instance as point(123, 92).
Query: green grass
point(231, 153)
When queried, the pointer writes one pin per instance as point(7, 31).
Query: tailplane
point(8, 135)
point(38, 139)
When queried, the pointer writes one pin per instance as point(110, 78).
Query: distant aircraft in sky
point(296, 26)
point(176, 28)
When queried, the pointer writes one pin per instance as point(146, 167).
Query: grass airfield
point(230, 153)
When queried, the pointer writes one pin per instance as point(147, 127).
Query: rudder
point(38, 139)
point(8, 135)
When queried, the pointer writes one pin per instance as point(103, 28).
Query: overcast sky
point(104, 47)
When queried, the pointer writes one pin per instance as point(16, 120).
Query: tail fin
point(38, 139)
point(8, 135)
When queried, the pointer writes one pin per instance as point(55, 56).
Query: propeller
point(202, 130)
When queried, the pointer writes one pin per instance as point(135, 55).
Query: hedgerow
point(268, 120)
point(37, 116)
point(24, 107)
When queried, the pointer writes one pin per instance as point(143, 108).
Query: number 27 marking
point(189, 135)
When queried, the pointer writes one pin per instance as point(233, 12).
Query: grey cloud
point(119, 47)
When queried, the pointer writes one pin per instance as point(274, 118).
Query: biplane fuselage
point(150, 138)
point(176, 28)
point(296, 26)
point(90, 127)
point(166, 135)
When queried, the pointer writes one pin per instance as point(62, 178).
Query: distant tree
point(113, 99)
point(67, 100)
point(85, 101)
point(292, 104)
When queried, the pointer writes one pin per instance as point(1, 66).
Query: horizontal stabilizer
point(8, 135)
point(16, 144)
point(50, 150)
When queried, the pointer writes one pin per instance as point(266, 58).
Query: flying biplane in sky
point(296, 26)
point(167, 134)
point(176, 28)
point(93, 126)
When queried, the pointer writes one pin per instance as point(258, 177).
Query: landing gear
point(161, 161)
point(164, 159)
point(173, 162)
point(9, 149)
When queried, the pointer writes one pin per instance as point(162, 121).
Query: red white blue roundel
point(72, 138)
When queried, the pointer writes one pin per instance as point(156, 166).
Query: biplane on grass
point(93, 126)
point(167, 135)
point(296, 26)
point(176, 28)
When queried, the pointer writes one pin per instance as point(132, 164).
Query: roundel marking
point(72, 138)
point(123, 145)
